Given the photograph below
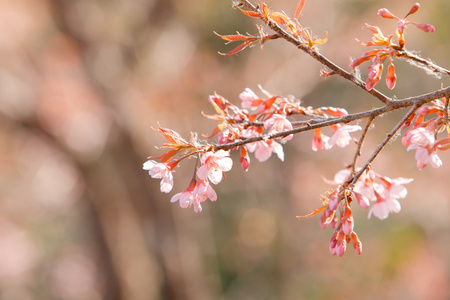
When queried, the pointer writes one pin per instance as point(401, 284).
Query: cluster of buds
point(422, 135)
point(378, 192)
point(389, 49)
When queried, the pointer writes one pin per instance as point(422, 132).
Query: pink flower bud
point(334, 201)
point(391, 78)
point(386, 13)
point(333, 242)
point(362, 200)
point(357, 243)
point(375, 71)
point(413, 9)
point(244, 159)
point(347, 223)
point(341, 245)
point(425, 27)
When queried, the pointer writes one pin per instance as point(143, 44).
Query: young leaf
point(237, 49)
point(299, 9)
point(249, 13)
point(314, 212)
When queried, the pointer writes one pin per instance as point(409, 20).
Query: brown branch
point(428, 64)
point(384, 143)
point(313, 124)
point(360, 143)
point(317, 56)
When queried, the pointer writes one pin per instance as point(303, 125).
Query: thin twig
point(428, 64)
point(317, 56)
point(384, 143)
point(360, 142)
point(313, 124)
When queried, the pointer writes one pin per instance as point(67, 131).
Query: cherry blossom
point(160, 171)
point(249, 99)
point(214, 164)
point(423, 141)
point(202, 191)
point(387, 195)
point(185, 197)
point(425, 156)
point(279, 123)
point(264, 149)
point(341, 136)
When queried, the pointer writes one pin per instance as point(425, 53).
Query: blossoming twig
point(263, 124)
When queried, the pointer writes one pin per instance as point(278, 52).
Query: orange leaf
point(249, 13)
point(269, 102)
point(216, 130)
point(167, 156)
point(233, 37)
point(299, 8)
point(265, 10)
point(314, 212)
point(279, 18)
point(237, 49)
point(172, 136)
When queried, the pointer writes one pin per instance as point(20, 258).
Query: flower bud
point(413, 9)
point(347, 223)
point(425, 27)
point(362, 200)
point(341, 244)
point(334, 201)
point(357, 243)
point(386, 13)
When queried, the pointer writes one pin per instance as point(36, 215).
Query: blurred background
point(82, 84)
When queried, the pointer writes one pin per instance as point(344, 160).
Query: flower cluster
point(380, 193)
point(263, 124)
point(260, 126)
point(422, 136)
point(389, 49)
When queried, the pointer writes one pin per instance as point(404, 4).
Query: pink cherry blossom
point(423, 141)
point(383, 206)
point(160, 171)
point(341, 136)
point(387, 195)
point(202, 191)
point(264, 150)
point(249, 133)
point(213, 165)
point(279, 123)
point(425, 156)
point(185, 198)
point(419, 137)
point(249, 99)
